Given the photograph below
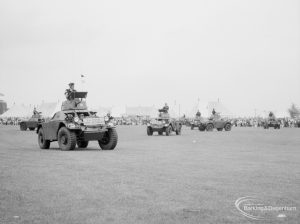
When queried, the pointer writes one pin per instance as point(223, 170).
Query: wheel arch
point(38, 128)
point(61, 124)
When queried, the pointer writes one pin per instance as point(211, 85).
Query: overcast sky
point(246, 53)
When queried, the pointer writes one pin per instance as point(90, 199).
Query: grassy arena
point(192, 178)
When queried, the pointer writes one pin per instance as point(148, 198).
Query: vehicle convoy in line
point(32, 122)
point(215, 122)
point(164, 124)
point(75, 124)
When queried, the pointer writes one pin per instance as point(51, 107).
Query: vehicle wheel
point(160, 133)
point(82, 144)
point(220, 129)
point(168, 130)
point(23, 127)
point(149, 131)
point(209, 127)
point(66, 139)
point(227, 127)
point(109, 140)
point(31, 129)
point(201, 128)
point(192, 127)
point(178, 131)
point(44, 144)
point(266, 126)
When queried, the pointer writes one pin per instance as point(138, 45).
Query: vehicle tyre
point(201, 128)
point(149, 131)
point(23, 127)
point(178, 131)
point(160, 133)
point(227, 127)
point(66, 139)
point(109, 140)
point(220, 129)
point(266, 126)
point(210, 127)
point(82, 143)
point(168, 130)
point(44, 144)
point(31, 129)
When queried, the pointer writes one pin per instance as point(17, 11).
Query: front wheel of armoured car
point(227, 127)
point(178, 131)
point(168, 130)
point(109, 140)
point(266, 126)
point(209, 127)
point(201, 128)
point(82, 144)
point(149, 131)
point(66, 139)
point(43, 143)
point(23, 127)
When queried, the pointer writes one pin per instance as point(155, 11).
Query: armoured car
point(31, 123)
point(164, 124)
point(215, 122)
point(75, 124)
point(196, 123)
point(271, 122)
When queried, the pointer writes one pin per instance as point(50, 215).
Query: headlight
point(106, 118)
point(71, 126)
point(76, 119)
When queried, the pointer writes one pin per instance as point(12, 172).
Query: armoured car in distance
point(74, 124)
point(31, 123)
point(271, 122)
point(215, 122)
point(164, 124)
point(196, 123)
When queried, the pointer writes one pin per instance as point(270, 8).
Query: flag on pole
point(82, 78)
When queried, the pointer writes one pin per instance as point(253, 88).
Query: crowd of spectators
point(10, 121)
point(138, 120)
point(258, 122)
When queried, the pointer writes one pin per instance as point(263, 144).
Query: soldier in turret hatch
point(70, 92)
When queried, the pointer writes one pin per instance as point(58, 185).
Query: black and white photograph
point(149, 112)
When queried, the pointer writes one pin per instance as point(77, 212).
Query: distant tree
point(294, 111)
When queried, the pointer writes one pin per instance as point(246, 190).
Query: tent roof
point(142, 111)
point(18, 111)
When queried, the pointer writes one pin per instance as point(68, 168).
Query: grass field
point(192, 178)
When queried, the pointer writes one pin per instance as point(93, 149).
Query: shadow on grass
point(76, 149)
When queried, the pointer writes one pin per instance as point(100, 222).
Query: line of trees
point(294, 111)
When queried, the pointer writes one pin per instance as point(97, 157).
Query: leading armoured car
point(75, 125)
